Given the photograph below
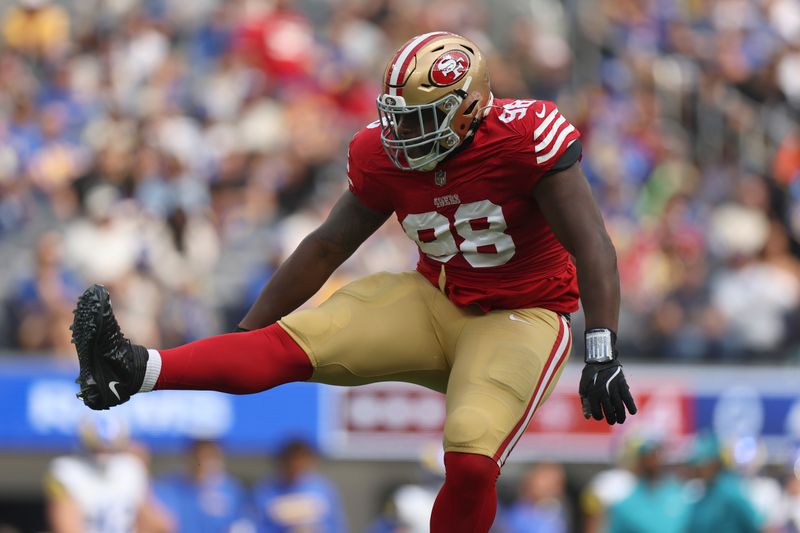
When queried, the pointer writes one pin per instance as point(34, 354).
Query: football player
point(104, 489)
point(491, 192)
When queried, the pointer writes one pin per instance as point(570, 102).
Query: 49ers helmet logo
point(449, 68)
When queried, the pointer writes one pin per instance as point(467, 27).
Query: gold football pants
point(495, 368)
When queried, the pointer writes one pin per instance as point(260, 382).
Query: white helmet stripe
point(397, 67)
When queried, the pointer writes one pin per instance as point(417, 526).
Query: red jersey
point(475, 213)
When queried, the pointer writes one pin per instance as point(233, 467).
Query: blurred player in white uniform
point(408, 508)
point(105, 489)
point(748, 456)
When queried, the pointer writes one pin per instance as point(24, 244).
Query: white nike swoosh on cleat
point(515, 318)
point(113, 386)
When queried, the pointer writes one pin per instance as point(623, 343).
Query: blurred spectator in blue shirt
point(43, 299)
point(299, 499)
point(207, 499)
point(540, 507)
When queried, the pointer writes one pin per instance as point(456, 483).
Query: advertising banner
point(675, 403)
point(40, 412)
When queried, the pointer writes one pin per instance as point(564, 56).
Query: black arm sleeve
point(570, 156)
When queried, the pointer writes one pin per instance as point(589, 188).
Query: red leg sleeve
point(467, 502)
point(239, 363)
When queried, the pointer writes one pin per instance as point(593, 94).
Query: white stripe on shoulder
point(557, 145)
point(550, 134)
point(543, 125)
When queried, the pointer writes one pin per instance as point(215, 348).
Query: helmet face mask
point(436, 89)
point(417, 137)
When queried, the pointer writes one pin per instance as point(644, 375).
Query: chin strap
point(488, 106)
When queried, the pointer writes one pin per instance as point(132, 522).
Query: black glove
point(603, 389)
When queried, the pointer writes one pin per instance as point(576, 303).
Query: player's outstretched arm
point(348, 225)
point(566, 201)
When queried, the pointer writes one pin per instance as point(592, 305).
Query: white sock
point(152, 371)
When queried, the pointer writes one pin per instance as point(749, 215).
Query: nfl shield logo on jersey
point(440, 177)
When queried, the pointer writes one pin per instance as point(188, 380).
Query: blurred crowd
point(109, 487)
point(709, 486)
point(691, 118)
point(177, 151)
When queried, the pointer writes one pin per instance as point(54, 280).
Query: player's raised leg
point(112, 368)
point(375, 329)
point(505, 365)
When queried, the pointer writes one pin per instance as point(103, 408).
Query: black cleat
point(111, 368)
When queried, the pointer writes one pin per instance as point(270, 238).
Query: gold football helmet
point(435, 92)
